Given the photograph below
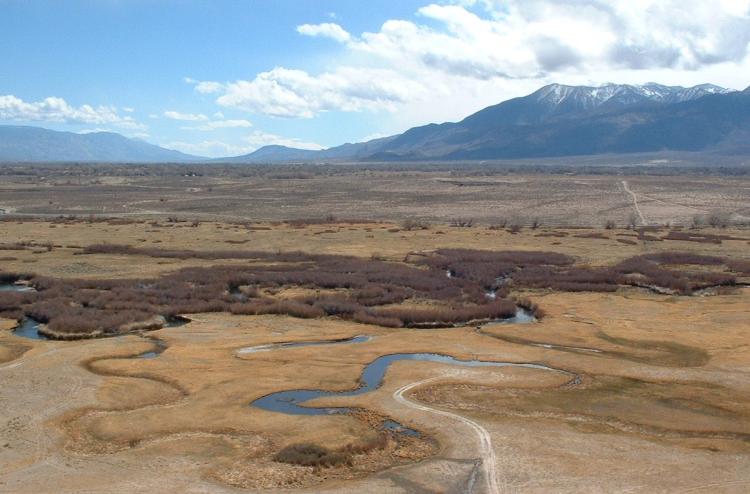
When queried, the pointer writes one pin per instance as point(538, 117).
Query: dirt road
point(487, 453)
point(635, 202)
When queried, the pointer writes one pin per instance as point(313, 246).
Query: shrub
point(367, 317)
point(719, 219)
point(311, 455)
point(698, 237)
point(372, 286)
point(414, 224)
point(462, 222)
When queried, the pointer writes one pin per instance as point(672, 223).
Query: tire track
point(635, 202)
point(487, 453)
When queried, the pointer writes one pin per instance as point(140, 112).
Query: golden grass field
point(651, 393)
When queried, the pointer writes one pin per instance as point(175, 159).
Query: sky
point(223, 78)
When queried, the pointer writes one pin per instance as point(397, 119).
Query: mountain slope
point(554, 121)
point(518, 117)
point(275, 153)
point(28, 144)
point(560, 120)
point(711, 122)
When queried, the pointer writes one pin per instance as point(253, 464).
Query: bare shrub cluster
point(443, 288)
point(366, 291)
point(693, 236)
point(314, 455)
point(311, 455)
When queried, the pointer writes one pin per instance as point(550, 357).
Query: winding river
point(292, 401)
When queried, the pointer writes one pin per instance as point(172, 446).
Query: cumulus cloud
point(208, 87)
point(208, 148)
point(247, 144)
point(204, 87)
point(325, 30)
point(259, 139)
point(55, 109)
point(477, 52)
point(286, 92)
point(526, 38)
point(185, 117)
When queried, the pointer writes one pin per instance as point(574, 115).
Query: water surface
point(29, 328)
point(292, 401)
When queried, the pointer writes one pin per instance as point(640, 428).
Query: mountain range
point(555, 121)
point(35, 144)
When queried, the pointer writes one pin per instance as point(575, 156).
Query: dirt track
point(485, 450)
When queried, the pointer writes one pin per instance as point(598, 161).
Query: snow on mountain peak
point(589, 97)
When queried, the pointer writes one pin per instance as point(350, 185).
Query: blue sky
point(225, 77)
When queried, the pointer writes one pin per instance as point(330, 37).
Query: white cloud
point(185, 117)
point(208, 148)
point(259, 139)
point(221, 124)
point(456, 57)
point(528, 38)
point(325, 30)
point(204, 87)
point(284, 92)
point(247, 144)
point(208, 87)
point(54, 109)
point(93, 131)
point(128, 109)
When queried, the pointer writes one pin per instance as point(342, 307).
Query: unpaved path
point(635, 202)
point(486, 451)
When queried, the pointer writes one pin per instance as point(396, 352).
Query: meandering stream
point(292, 401)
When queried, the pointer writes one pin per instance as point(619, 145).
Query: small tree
point(610, 225)
point(718, 220)
point(632, 221)
point(414, 224)
point(697, 222)
point(462, 222)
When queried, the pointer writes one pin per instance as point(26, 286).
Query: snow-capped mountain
point(560, 120)
point(612, 96)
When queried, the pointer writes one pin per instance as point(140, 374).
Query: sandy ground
point(661, 405)
point(568, 198)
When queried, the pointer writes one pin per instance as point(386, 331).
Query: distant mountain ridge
point(556, 120)
point(35, 144)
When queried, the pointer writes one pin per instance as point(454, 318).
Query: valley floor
point(631, 391)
